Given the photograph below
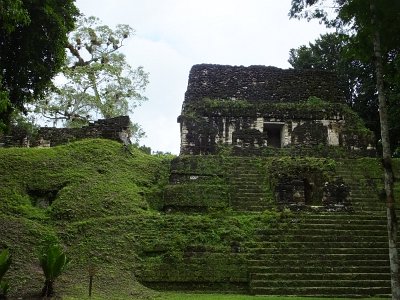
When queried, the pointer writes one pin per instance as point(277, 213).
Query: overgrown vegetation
point(5, 262)
point(70, 192)
point(102, 205)
point(205, 118)
point(53, 262)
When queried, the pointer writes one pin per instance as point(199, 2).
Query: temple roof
point(261, 83)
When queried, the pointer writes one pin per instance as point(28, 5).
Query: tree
point(98, 80)
point(33, 35)
point(333, 52)
point(53, 262)
point(386, 155)
point(374, 27)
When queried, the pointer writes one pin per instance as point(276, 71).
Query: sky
point(173, 35)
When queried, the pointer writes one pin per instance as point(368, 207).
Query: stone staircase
point(313, 252)
point(363, 191)
point(327, 254)
point(247, 180)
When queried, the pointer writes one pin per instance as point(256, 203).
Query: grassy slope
point(101, 213)
point(101, 191)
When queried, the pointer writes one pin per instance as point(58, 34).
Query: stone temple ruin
point(255, 108)
point(116, 129)
point(262, 112)
point(256, 141)
point(260, 145)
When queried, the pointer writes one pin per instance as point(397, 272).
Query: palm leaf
point(4, 288)
point(5, 262)
point(53, 261)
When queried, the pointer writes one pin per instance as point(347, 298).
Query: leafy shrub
point(5, 262)
point(53, 262)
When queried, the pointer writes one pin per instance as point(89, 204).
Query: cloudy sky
point(173, 35)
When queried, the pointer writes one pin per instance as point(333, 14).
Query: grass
point(75, 194)
point(188, 296)
point(99, 201)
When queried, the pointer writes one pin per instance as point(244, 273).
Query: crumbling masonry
point(254, 108)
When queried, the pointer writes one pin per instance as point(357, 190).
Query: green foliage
point(24, 238)
point(326, 53)
point(5, 262)
point(99, 80)
point(33, 35)
point(208, 165)
point(294, 167)
point(210, 104)
point(13, 14)
point(5, 108)
point(4, 288)
point(53, 262)
point(313, 106)
point(373, 28)
point(313, 170)
point(97, 196)
point(217, 106)
point(110, 226)
point(188, 296)
point(99, 175)
point(333, 52)
point(349, 54)
point(205, 248)
point(315, 101)
point(205, 195)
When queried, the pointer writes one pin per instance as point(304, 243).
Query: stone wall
point(253, 108)
point(116, 129)
point(260, 83)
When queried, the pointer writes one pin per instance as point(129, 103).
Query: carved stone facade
point(254, 108)
point(116, 129)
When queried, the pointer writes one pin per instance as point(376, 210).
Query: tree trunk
point(90, 285)
point(386, 159)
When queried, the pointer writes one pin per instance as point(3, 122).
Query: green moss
point(101, 211)
point(197, 195)
point(202, 248)
point(293, 167)
point(87, 178)
point(96, 180)
point(200, 165)
point(24, 238)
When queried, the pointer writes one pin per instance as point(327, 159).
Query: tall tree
point(33, 35)
point(386, 154)
point(333, 52)
point(374, 25)
point(98, 81)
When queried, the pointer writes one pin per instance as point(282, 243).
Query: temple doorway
point(274, 134)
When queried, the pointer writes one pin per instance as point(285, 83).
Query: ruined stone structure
point(116, 129)
point(251, 109)
point(277, 140)
point(266, 111)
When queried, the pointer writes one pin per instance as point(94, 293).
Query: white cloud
point(172, 35)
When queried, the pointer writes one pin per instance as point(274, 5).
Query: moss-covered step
point(323, 291)
point(323, 283)
point(319, 276)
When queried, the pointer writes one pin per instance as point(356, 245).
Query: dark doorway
point(274, 134)
point(308, 192)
